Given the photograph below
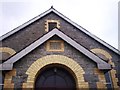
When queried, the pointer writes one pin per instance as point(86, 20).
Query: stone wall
point(32, 32)
point(22, 65)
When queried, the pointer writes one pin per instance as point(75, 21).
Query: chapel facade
point(51, 52)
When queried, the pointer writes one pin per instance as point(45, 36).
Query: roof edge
point(66, 38)
point(65, 18)
point(25, 24)
point(87, 32)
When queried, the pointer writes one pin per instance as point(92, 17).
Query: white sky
point(100, 17)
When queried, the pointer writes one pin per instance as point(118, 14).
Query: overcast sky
point(100, 17)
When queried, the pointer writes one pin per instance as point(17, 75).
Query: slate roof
point(65, 18)
point(8, 65)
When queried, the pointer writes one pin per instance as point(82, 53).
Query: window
point(55, 45)
point(5, 53)
point(1, 80)
point(51, 24)
point(108, 80)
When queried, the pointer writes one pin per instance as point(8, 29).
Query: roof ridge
point(65, 18)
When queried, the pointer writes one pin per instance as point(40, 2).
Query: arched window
point(6, 52)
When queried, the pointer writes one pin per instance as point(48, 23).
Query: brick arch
point(55, 59)
point(112, 71)
point(101, 51)
point(7, 50)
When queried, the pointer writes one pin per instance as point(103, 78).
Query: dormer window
point(51, 24)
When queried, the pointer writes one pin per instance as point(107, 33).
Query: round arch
point(73, 66)
point(101, 51)
point(7, 50)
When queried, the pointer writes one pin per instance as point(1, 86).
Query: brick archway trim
point(55, 59)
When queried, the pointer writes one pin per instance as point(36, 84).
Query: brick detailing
point(102, 82)
point(48, 21)
point(109, 58)
point(8, 84)
point(113, 75)
point(73, 67)
point(7, 50)
point(101, 51)
point(60, 48)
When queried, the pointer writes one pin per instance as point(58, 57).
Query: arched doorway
point(55, 78)
point(69, 64)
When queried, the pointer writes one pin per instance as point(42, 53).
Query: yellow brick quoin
point(8, 79)
point(112, 71)
point(102, 82)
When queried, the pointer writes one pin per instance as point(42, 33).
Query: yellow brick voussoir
point(69, 63)
point(7, 50)
point(32, 70)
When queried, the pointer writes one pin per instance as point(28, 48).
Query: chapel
point(51, 52)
